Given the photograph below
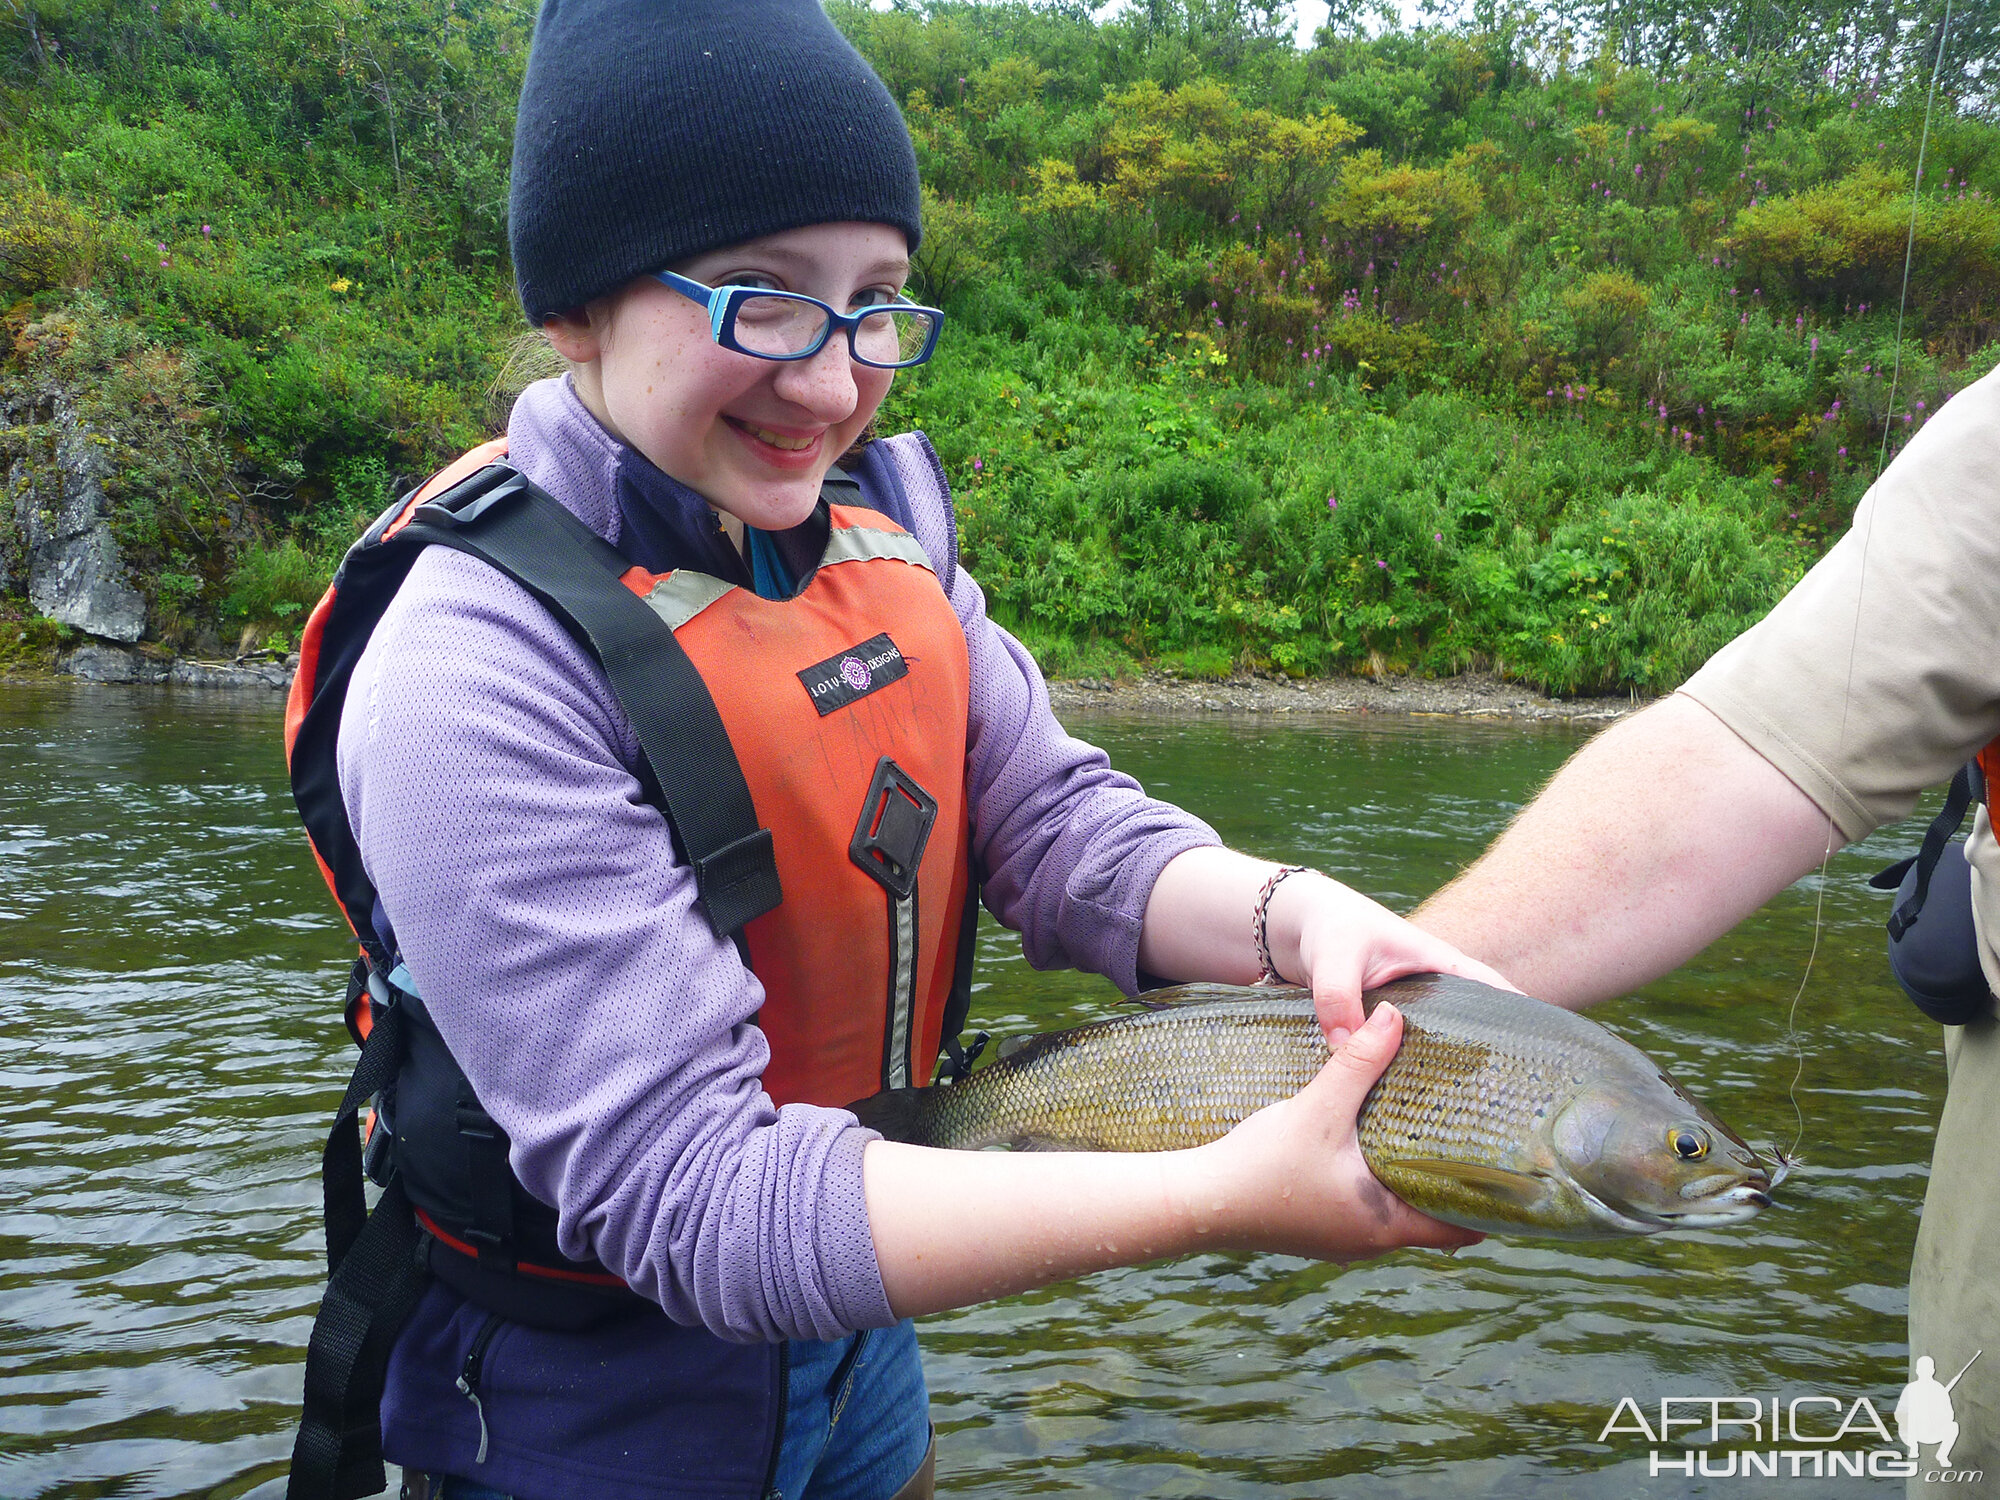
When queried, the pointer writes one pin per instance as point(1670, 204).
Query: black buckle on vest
point(739, 881)
point(473, 496)
point(895, 825)
point(491, 1182)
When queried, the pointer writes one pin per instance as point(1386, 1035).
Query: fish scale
point(1499, 1112)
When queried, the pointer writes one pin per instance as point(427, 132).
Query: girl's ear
point(575, 335)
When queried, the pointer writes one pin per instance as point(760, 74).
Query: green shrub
point(45, 241)
point(271, 590)
point(1845, 241)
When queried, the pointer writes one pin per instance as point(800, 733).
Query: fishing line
point(1861, 588)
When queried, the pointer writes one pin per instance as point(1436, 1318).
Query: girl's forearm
point(958, 1227)
point(1198, 918)
point(1201, 916)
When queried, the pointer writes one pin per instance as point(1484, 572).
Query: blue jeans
point(857, 1421)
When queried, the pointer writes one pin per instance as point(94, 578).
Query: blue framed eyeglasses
point(785, 325)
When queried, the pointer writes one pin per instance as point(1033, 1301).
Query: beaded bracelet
point(1260, 922)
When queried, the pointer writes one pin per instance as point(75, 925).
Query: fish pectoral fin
point(1522, 1188)
point(1040, 1143)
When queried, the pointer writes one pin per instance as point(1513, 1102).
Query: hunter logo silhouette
point(1923, 1411)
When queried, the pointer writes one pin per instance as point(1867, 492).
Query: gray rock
point(73, 569)
point(100, 661)
point(96, 662)
point(269, 675)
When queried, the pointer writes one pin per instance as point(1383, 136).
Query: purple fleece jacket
point(488, 773)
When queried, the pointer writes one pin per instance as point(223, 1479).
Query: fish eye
point(1687, 1143)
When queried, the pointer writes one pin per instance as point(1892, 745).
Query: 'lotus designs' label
point(854, 673)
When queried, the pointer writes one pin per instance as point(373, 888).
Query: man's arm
point(1655, 839)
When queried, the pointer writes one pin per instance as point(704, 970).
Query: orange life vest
point(867, 661)
point(865, 665)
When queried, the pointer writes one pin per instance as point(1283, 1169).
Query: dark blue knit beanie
point(650, 131)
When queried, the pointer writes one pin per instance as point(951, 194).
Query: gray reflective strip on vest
point(864, 544)
point(684, 593)
point(902, 989)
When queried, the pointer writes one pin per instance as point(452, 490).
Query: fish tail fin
point(898, 1114)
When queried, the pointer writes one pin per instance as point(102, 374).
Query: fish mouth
point(1732, 1207)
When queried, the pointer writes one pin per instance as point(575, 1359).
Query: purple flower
point(1437, 536)
point(977, 466)
point(206, 230)
point(1382, 565)
point(1843, 453)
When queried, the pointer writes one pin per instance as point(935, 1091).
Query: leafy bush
point(271, 590)
point(1845, 241)
point(45, 242)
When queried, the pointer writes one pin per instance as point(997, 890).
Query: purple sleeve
point(1070, 847)
point(557, 946)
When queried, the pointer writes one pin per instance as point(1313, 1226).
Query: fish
point(1499, 1112)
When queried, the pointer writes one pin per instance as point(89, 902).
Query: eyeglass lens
point(782, 326)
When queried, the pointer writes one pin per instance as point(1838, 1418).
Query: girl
point(664, 1261)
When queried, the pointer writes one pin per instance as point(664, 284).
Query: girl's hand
point(1292, 1179)
point(1337, 941)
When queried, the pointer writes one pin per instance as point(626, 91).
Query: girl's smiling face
point(753, 437)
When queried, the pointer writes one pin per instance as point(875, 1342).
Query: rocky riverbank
point(100, 661)
point(1472, 693)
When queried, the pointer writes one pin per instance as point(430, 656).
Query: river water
point(170, 1052)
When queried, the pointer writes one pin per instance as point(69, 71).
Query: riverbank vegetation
point(1555, 341)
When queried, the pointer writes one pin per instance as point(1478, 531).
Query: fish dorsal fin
point(1180, 995)
point(1495, 1182)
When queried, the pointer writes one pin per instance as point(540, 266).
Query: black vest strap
point(500, 517)
point(377, 1275)
point(1958, 800)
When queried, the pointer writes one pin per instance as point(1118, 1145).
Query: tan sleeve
point(1879, 673)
